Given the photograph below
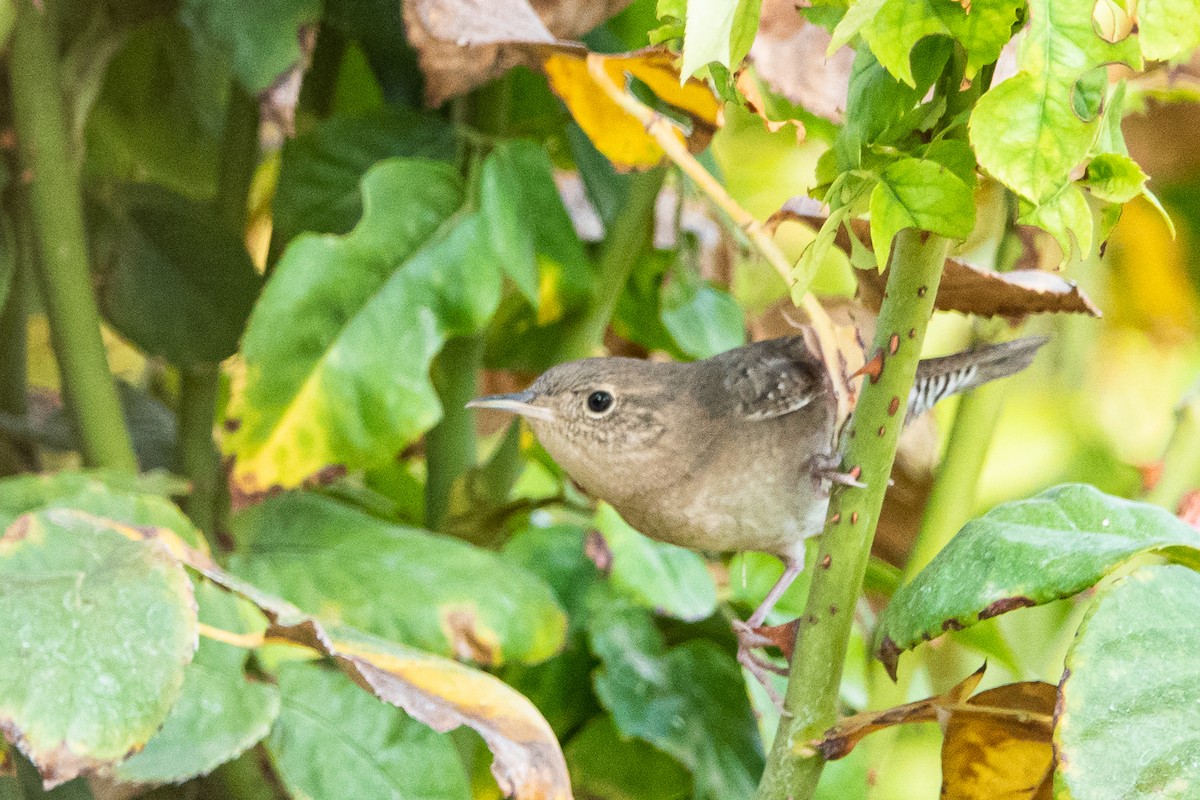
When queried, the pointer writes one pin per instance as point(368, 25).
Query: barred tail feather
point(938, 378)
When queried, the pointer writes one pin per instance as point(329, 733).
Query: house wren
point(735, 452)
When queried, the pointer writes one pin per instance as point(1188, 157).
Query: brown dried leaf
point(964, 288)
point(841, 738)
point(789, 54)
point(462, 44)
point(998, 745)
point(443, 694)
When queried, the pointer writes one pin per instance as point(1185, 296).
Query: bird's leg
point(749, 637)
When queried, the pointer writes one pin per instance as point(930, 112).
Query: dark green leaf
point(175, 281)
point(529, 228)
point(332, 739)
point(603, 763)
point(656, 575)
point(703, 319)
point(688, 701)
point(1126, 725)
point(433, 592)
point(319, 178)
point(95, 633)
point(1027, 553)
point(261, 39)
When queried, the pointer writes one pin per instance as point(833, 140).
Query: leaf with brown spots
point(1027, 553)
point(443, 694)
point(997, 744)
point(964, 288)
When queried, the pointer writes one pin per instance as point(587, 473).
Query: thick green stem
point(810, 707)
point(450, 445)
point(200, 384)
point(1181, 462)
point(625, 243)
point(57, 212)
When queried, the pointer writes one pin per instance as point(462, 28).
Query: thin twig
point(246, 641)
point(671, 139)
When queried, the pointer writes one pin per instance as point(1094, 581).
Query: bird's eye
point(599, 401)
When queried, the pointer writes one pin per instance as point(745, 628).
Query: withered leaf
point(789, 55)
point(998, 745)
point(842, 738)
point(964, 288)
point(441, 693)
point(462, 44)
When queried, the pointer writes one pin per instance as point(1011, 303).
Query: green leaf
point(603, 763)
point(956, 155)
point(95, 633)
point(319, 176)
point(333, 738)
point(1026, 131)
point(688, 701)
point(176, 282)
point(129, 499)
point(913, 193)
point(1115, 178)
point(261, 40)
point(1065, 216)
point(656, 575)
point(816, 252)
point(433, 592)
point(1168, 29)
point(720, 31)
point(160, 113)
point(219, 714)
point(350, 386)
point(1127, 726)
point(895, 27)
point(526, 221)
point(1027, 553)
point(702, 319)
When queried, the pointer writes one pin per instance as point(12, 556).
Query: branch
point(57, 212)
point(671, 140)
point(810, 708)
point(450, 447)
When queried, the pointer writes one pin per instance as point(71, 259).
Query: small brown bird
point(732, 453)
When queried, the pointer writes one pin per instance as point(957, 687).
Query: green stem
point(1181, 462)
point(450, 445)
point(57, 211)
point(15, 456)
point(810, 707)
point(200, 384)
point(625, 243)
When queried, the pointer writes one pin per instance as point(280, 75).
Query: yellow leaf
point(620, 136)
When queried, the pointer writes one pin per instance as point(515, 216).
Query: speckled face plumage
point(593, 413)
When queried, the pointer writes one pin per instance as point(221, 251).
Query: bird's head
point(602, 419)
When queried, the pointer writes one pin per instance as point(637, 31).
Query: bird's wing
point(774, 378)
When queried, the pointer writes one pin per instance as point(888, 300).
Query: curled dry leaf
point(456, 39)
point(964, 288)
point(441, 693)
point(842, 738)
point(999, 744)
point(789, 55)
point(462, 44)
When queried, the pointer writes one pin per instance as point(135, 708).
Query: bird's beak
point(517, 403)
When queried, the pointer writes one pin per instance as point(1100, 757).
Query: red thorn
point(855, 472)
point(893, 344)
point(912, 333)
point(853, 517)
point(881, 430)
point(893, 406)
point(826, 561)
point(872, 369)
point(921, 292)
point(836, 518)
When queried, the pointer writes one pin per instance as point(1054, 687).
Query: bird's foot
point(751, 638)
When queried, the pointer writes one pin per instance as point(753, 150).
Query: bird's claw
point(751, 638)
